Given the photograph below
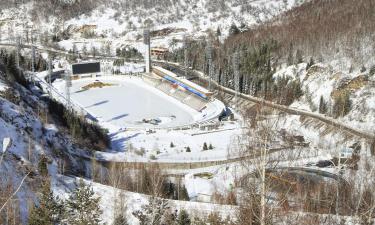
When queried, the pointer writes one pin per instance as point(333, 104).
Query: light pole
point(147, 42)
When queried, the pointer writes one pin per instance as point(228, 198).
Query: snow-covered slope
point(121, 22)
point(24, 120)
point(327, 80)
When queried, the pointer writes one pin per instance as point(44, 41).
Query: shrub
point(205, 146)
point(140, 152)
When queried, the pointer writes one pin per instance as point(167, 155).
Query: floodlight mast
point(68, 85)
point(18, 51)
point(50, 75)
point(147, 42)
point(32, 53)
point(210, 64)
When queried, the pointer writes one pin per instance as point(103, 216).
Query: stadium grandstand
point(179, 88)
point(182, 83)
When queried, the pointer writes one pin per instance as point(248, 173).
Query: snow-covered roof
point(184, 80)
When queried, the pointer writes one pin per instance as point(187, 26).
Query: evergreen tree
point(214, 219)
point(83, 206)
point(108, 49)
point(94, 51)
point(184, 196)
point(42, 165)
point(299, 56)
point(351, 69)
point(153, 213)
point(290, 60)
point(183, 218)
point(84, 50)
point(218, 32)
point(75, 50)
point(170, 218)
point(342, 105)
point(205, 146)
point(363, 69)
point(322, 106)
point(233, 30)
point(372, 70)
point(310, 64)
point(50, 209)
point(118, 52)
point(120, 220)
point(243, 27)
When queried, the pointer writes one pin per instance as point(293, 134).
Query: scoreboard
point(86, 68)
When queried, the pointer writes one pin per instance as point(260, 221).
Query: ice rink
point(129, 102)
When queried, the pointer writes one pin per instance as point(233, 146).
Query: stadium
point(159, 99)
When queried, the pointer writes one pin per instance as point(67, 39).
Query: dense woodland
point(317, 31)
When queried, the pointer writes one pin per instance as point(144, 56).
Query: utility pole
point(209, 58)
point(50, 75)
point(18, 51)
point(68, 85)
point(147, 42)
point(10, 32)
point(32, 54)
point(236, 70)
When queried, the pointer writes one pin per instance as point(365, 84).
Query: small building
point(86, 28)
point(159, 52)
point(346, 153)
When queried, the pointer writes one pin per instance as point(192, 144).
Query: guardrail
point(47, 88)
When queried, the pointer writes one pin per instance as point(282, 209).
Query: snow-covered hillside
point(121, 23)
point(322, 81)
point(34, 136)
